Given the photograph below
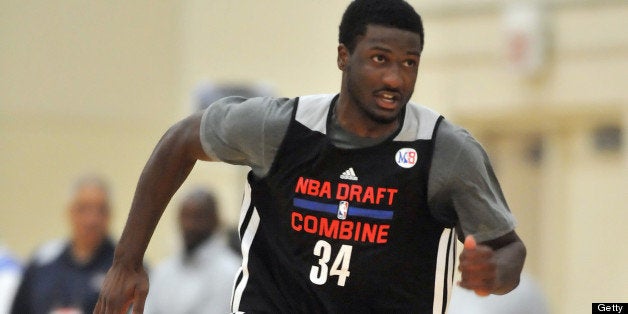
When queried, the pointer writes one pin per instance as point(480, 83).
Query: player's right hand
point(124, 286)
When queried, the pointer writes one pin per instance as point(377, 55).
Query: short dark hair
point(391, 13)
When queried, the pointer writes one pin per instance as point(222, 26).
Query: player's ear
point(343, 56)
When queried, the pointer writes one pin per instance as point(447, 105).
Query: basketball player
point(353, 197)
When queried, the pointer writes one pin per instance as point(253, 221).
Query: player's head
point(379, 52)
point(198, 218)
point(390, 13)
point(89, 210)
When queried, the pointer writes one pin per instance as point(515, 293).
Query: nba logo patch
point(343, 210)
point(406, 157)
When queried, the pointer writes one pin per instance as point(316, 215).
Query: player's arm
point(169, 165)
point(466, 192)
point(494, 266)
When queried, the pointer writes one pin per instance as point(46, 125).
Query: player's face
point(379, 76)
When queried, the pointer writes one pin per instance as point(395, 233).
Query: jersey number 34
point(340, 267)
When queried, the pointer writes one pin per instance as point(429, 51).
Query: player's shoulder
point(419, 123)
point(262, 108)
point(252, 102)
point(316, 99)
point(416, 109)
point(454, 142)
point(316, 104)
point(312, 111)
point(270, 104)
point(451, 133)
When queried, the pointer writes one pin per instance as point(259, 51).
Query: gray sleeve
point(462, 187)
point(243, 131)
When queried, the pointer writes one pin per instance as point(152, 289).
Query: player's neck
point(358, 123)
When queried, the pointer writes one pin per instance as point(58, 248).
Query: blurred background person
point(200, 277)
point(65, 275)
point(10, 271)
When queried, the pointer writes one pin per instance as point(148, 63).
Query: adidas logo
point(349, 174)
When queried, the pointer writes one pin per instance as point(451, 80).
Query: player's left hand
point(478, 267)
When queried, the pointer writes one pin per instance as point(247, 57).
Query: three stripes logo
point(349, 174)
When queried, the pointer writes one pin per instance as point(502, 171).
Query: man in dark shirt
point(65, 276)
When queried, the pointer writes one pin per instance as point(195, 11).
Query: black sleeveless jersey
point(331, 230)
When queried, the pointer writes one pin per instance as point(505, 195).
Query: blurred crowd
point(64, 276)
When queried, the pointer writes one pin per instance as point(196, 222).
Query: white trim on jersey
point(418, 124)
point(311, 109)
point(246, 203)
point(445, 268)
point(247, 241)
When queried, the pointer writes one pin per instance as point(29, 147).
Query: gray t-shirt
point(462, 187)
